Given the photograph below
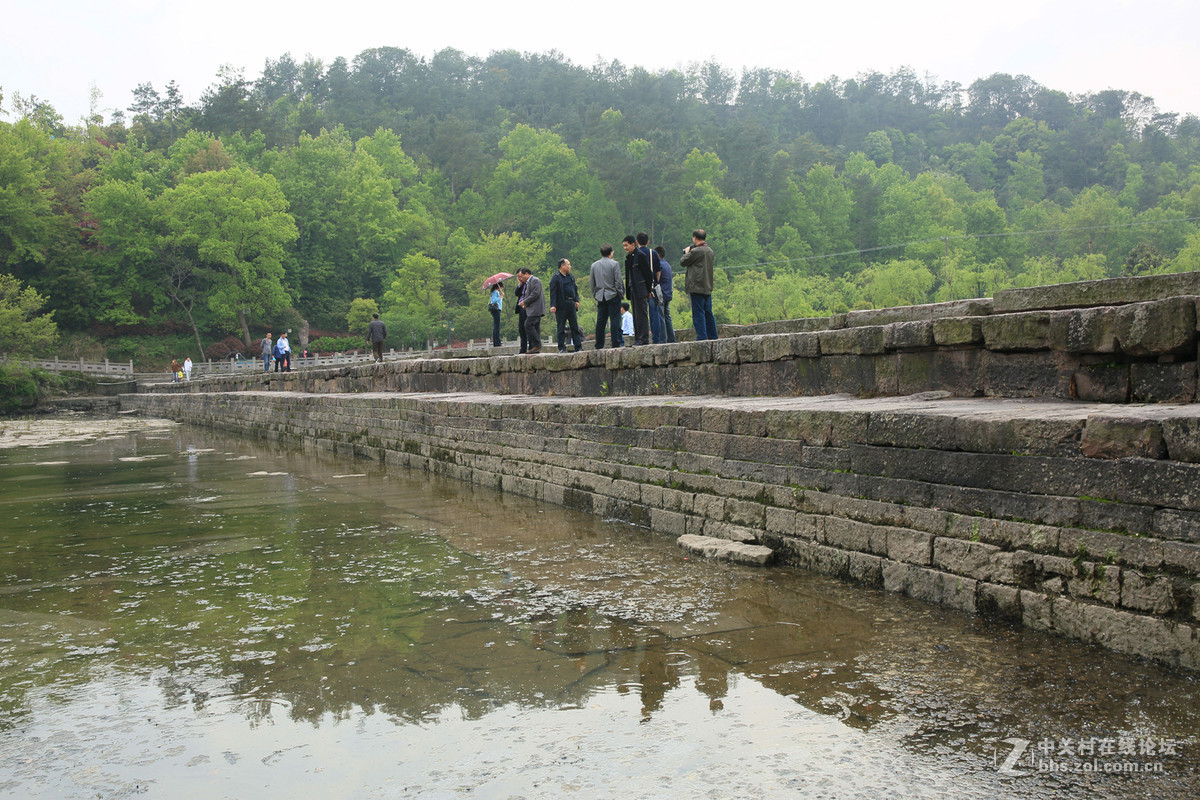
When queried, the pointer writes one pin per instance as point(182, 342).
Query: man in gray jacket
point(608, 288)
point(267, 349)
point(533, 300)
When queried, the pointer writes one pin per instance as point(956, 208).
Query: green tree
point(1026, 184)
point(1047, 271)
point(23, 330)
point(348, 219)
point(413, 307)
point(962, 278)
point(1097, 224)
point(542, 189)
point(824, 219)
point(361, 311)
point(1188, 259)
point(896, 283)
point(504, 252)
point(25, 195)
point(232, 227)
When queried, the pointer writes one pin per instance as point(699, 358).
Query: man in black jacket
point(564, 303)
point(639, 282)
point(376, 333)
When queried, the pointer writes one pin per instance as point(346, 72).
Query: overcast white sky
point(56, 49)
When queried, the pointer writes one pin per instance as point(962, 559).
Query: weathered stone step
point(754, 555)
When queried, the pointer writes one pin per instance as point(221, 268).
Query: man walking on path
point(607, 288)
point(533, 300)
point(266, 352)
point(665, 277)
point(376, 333)
point(564, 303)
point(698, 261)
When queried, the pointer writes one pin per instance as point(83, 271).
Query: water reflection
point(206, 598)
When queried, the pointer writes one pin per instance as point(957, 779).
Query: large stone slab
point(1110, 292)
point(738, 552)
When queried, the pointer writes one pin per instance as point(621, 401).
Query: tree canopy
point(404, 181)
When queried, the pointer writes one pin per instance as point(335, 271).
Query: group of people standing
point(280, 353)
point(181, 373)
point(645, 282)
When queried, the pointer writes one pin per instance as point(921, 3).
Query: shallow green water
point(193, 615)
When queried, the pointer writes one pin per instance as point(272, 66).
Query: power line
point(955, 237)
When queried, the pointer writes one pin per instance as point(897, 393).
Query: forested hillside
point(284, 197)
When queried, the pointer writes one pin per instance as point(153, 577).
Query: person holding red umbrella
point(496, 305)
point(495, 285)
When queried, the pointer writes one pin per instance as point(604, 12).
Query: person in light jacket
point(496, 306)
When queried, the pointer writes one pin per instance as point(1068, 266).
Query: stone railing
point(104, 367)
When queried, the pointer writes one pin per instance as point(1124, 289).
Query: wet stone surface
point(184, 614)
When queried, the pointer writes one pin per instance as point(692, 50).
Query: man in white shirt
point(286, 350)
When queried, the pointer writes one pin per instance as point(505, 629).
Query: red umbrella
point(499, 276)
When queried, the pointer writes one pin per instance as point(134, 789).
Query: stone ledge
point(1111, 341)
point(722, 549)
point(1113, 291)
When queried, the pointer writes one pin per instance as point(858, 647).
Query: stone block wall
point(1082, 519)
point(1141, 350)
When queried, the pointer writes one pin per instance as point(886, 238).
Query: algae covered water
point(185, 614)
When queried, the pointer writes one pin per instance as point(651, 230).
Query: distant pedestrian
point(496, 307)
point(176, 371)
point(187, 368)
point(533, 300)
point(607, 288)
point(626, 324)
point(268, 352)
point(564, 305)
point(285, 348)
point(698, 260)
point(376, 333)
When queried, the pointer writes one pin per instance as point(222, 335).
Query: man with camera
point(698, 260)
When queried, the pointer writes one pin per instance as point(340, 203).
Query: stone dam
point(1032, 457)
